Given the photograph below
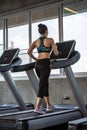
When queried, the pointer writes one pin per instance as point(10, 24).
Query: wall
point(59, 88)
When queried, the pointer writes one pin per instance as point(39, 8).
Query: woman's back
point(44, 46)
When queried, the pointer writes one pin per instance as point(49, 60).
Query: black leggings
point(42, 68)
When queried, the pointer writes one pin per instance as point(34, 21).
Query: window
point(18, 37)
point(75, 27)
point(1, 37)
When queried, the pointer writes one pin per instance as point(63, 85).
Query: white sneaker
point(38, 110)
point(50, 108)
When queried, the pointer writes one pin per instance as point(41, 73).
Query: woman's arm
point(54, 47)
point(30, 51)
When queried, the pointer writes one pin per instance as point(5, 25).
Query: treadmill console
point(65, 48)
point(8, 56)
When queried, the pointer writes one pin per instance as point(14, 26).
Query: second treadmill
point(8, 59)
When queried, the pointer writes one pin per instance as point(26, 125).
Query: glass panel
point(1, 39)
point(75, 27)
point(49, 17)
point(18, 36)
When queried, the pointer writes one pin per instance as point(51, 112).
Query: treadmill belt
point(23, 115)
point(32, 114)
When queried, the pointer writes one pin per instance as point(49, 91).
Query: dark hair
point(42, 28)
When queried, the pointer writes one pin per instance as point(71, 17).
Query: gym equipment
point(79, 124)
point(8, 59)
point(61, 115)
point(64, 50)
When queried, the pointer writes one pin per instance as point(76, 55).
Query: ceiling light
point(70, 10)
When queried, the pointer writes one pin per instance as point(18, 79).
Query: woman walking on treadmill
point(44, 46)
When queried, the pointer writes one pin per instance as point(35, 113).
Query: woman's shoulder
point(50, 39)
point(36, 40)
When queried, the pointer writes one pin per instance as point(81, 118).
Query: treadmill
point(79, 124)
point(60, 116)
point(8, 59)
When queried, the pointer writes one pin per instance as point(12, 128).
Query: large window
point(75, 27)
point(1, 37)
point(18, 38)
point(18, 35)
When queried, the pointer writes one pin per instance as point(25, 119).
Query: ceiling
point(78, 6)
point(7, 6)
point(10, 6)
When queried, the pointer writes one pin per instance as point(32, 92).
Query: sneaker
point(50, 108)
point(38, 110)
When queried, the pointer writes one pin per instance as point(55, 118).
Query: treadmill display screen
point(8, 56)
point(65, 48)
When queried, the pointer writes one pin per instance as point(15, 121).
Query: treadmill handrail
point(23, 67)
point(74, 57)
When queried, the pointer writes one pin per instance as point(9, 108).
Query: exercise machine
point(61, 115)
point(8, 59)
point(79, 124)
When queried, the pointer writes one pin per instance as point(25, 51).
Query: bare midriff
point(43, 55)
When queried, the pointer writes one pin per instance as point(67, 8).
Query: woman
point(44, 46)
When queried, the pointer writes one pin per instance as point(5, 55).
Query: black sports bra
point(43, 48)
